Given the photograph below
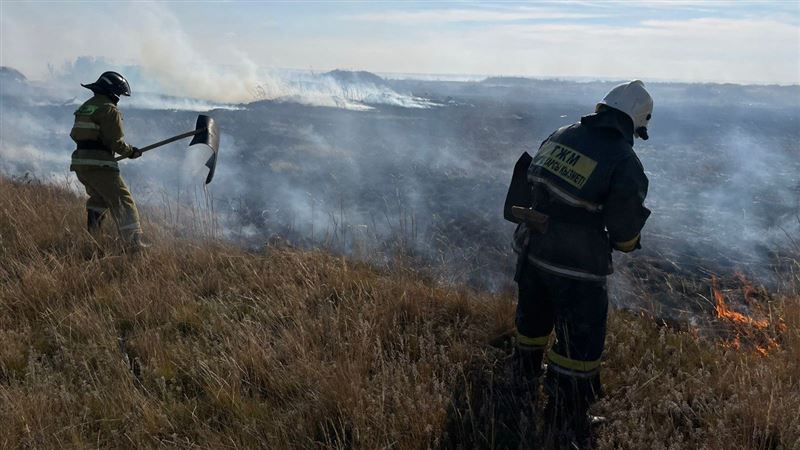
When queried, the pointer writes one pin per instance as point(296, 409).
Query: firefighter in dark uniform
point(580, 197)
point(98, 135)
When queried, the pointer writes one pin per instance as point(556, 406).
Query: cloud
point(467, 15)
point(695, 50)
point(703, 49)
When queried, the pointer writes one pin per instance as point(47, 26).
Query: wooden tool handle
point(165, 142)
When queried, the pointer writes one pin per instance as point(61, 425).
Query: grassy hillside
point(201, 344)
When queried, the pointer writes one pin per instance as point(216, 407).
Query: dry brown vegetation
point(197, 343)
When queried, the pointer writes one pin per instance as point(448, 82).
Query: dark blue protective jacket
point(588, 180)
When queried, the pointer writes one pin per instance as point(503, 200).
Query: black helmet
point(110, 83)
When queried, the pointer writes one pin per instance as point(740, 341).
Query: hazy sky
point(723, 41)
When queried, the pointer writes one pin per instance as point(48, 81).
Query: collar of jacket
point(613, 119)
point(107, 98)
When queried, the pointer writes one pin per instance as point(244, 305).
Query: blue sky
point(724, 41)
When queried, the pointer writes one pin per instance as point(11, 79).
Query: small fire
point(753, 331)
point(735, 343)
point(724, 312)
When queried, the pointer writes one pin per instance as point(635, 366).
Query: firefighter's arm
point(624, 211)
point(111, 134)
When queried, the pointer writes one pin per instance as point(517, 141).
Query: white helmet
point(634, 100)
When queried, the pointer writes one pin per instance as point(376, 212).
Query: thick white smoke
point(178, 65)
point(169, 56)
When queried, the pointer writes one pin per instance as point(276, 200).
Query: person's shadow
point(490, 408)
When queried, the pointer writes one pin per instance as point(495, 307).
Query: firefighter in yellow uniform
point(98, 134)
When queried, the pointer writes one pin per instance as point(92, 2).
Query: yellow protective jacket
point(98, 134)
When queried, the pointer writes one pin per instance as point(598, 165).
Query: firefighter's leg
point(534, 322)
point(573, 371)
point(96, 206)
point(110, 185)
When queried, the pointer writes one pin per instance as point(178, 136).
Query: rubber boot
point(514, 399)
point(136, 244)
point(94, 220)
point(553, 420)
point(527, 373)
point(568, 423)
point(528, 361)
point(584, 426)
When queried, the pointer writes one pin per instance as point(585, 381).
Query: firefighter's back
point(89, 135)
point(575, 177)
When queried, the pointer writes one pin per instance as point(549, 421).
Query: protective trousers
point(578, 311)
point(107, 191)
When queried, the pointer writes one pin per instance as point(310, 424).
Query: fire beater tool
point(205, 132)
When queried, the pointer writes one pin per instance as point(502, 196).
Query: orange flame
point(724, 312)
point(759, 334)
point(734, 343)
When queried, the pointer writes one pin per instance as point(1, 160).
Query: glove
point(135, 153)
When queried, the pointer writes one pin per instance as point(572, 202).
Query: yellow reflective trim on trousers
point(627, 246)
point(94, 162)
point(572, 364)
point(539, 341)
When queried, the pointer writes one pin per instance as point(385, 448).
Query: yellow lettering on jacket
point(566, 163)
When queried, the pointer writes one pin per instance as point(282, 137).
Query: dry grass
point(200, 344)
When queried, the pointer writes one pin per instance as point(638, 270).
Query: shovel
point(205, 132)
